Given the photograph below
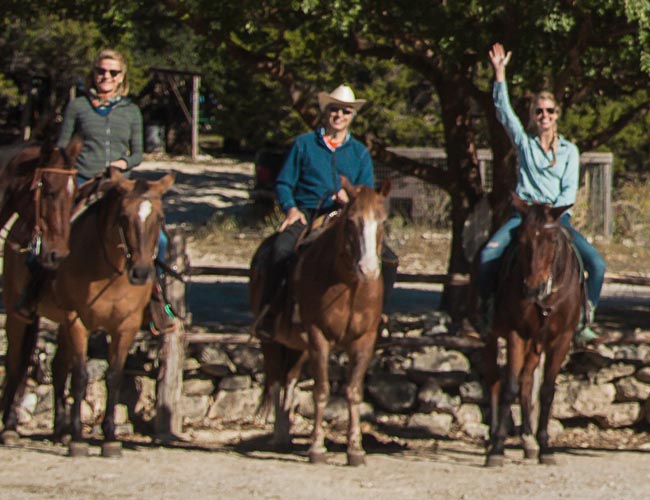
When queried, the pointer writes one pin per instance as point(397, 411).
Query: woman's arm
point(136, 149)
point(505, 114)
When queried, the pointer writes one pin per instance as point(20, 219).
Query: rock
point(431, 397)
point(476, 430)
point(435, 424)
point(215, 362)
point(613, 372)
point(235, 405)
point(439, 359)
point(469, 414)
point(194, 408)
point(235, 383)
point(580, 398)
point(620, 415)
point(198, 387)
point(96, 369)
point(392, 392)
point(631, 389)
point(472, 392)
point(247, 359)
point(643, 374)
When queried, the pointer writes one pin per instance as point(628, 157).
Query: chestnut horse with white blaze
point(337, 290)
point(104, 284)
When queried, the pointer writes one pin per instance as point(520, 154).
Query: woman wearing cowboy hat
point(309, 183)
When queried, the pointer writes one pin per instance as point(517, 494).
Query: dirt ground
point(245, 470)
point(237, 463)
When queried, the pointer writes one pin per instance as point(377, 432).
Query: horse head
point(364, 217)
point(538, 241)
point(139, 219)
point(53, 189)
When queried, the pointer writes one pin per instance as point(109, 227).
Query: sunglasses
point(549, 111)
point(102, 72)
point(336, 109)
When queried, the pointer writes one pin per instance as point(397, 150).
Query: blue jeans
point(493, 251)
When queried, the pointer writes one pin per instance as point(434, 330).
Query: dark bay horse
point(337, 290)
point(104, 284)
point(537, 310)
point(38, 184)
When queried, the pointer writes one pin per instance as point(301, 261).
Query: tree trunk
point(465, 190)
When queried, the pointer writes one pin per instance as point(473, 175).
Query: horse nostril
point(138, 275)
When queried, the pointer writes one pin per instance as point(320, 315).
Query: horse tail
point(281, 369)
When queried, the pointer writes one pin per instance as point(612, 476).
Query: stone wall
point(422, 379)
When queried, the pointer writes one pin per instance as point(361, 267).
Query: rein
point(544, 308)
point(123, 245)
point(34, 245)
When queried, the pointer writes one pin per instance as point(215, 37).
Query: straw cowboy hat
point(341, 96)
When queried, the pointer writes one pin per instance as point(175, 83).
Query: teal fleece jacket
point(311, 173)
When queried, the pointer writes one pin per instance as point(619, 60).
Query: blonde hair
point(123, 88)
point(532, 124)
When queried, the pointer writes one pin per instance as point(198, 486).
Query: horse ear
point(384, 189)
point(347, 185)
point(73, 149)
point(121, 182)
point(164, 183)
point(519, 204)
point(556, 212)
point(46, 152)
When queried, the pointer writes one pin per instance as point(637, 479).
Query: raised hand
point(500, 59)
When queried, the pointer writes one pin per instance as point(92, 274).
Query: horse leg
point(531, 364)
point(285, 408)
point(496, 453)
point(21, 340)
point(71, 356)
point(492, 381)
point(359, 354)
point(119, 348)
point(319, 350)
point(60, 371)
point(556, 353)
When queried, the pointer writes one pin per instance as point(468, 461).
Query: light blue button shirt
point(537, 179)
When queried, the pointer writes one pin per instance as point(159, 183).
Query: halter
point(34, 245)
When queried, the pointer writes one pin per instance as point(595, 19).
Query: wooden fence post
point(169, 421)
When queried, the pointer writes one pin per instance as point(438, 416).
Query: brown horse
point(337, 290)
point(104, 284)
point(537, 310)
point(38, 184)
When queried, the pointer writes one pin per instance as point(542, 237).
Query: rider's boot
point(585, 336)
point(162, 315)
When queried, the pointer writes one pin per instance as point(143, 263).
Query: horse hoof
point(531, 453)
point(77, 449)
point(356, 459)
point(10, 438)
point(317, 458)
point(547, 459)
point(112, 449)
point(494, 461)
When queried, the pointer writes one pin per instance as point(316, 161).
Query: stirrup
point(586, 337)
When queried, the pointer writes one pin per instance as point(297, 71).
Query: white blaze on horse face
point(369, 262)
point(70, 186)
point(145, 210)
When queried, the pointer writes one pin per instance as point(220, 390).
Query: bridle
point(36, 186)
point(124, 245)
point(545, 291)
